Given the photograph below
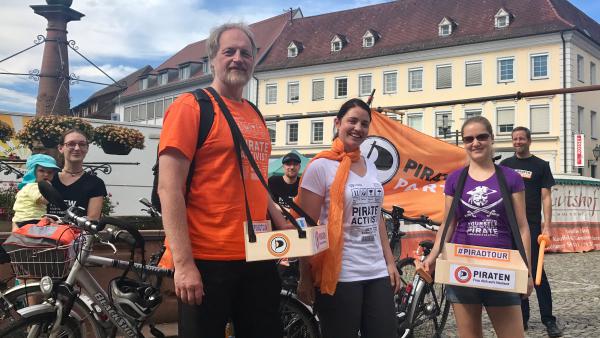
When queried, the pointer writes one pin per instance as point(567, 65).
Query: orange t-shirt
point(215, 205)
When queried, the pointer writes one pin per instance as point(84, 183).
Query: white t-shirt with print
point(362, 253)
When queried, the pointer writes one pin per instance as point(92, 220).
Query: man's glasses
point(73, 145)
point(480, 138)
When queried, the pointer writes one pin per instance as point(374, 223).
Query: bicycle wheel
point(298, 321)
point(39, 325)
point(429, 310)
point(21, 298)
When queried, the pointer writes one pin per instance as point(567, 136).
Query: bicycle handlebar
point(397, 214)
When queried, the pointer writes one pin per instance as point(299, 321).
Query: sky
point(122, 36)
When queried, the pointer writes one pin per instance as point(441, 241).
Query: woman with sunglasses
point(480, 219)
point(73, 183)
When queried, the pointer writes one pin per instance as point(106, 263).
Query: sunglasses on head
point(480, 138)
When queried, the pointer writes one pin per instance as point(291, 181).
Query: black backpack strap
point(510, 213)
point(458, 190)
point(241, 146)
point(257, 111)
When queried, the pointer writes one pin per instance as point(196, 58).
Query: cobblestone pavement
point(575, 282)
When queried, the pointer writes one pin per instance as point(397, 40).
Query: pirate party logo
point(278, 245)
point(478, 202)
point(383, 154)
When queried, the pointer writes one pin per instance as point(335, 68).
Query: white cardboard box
point(286, 243)
point(482, 267)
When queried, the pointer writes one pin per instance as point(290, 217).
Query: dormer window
point(445, 27)
point(144, 83)
point(184, 72)
point(337, 43)
point(294, 48)
point(502, 19)
point(163, 78)
point(369, 38)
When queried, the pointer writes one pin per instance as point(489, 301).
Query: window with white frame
point(292, 50)
point(415, 121)
point(135, 112)
point(271, 93)
point(184, 72)
point(168, 102)
point(368, 41)
point(142, 112)
point(593, 78)
point(293, 91)
point(501, 19)
point(443, 124)
point(580, 68)
point(163, 78)
point(539, 117)
point(443, 77)
point(415, 79)
point(580, 120)
point(472, 113)
point(336, 44)
point(150, 110)
point(364, 85)
point(390, 80)
point(292, 132)
point(341, 87)
point(473, 74)
point(316, 132)
point(445, 27)
point(271, 126)
point(593, 124)
point(505, 119)
point(159, 108)
point(318, 90)
point(127, 114)
point(506, 68)
point(144, 83)
point(539, 66)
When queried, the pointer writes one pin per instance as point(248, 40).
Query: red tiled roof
point(412, 25)
point(265, 32)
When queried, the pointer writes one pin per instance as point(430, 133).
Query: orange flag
point(413, 168)
point(411, 165)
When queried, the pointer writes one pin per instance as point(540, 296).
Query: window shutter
point(540, 119)
point(318, 90)
point(506, 116)
point(444, 77)
point(473, 74)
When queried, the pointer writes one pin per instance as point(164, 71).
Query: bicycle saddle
point(427, 244)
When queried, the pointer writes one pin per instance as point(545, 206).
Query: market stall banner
point(413, 168)
point(575, 223)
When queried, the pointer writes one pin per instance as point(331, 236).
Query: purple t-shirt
point(480, 214)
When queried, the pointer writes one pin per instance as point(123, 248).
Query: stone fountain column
point(53, 91)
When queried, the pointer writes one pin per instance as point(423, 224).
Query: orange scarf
point(327, 265)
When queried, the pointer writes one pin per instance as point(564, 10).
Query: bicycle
point(65, 309)
point(420, 302)
point(18, 296)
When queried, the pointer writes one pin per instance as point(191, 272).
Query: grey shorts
point(464, 295)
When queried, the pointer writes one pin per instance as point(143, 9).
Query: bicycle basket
point(54, 262)
point(37, 256)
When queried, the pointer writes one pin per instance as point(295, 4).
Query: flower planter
point(49, 143)
point(114, 148)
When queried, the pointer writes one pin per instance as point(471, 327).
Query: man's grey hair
point(215, 35)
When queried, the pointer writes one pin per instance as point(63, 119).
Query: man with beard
point(285, 187)
point(538, 187)
point(204, 226)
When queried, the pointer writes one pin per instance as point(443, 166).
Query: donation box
point(285, 243)
point(482, 267)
